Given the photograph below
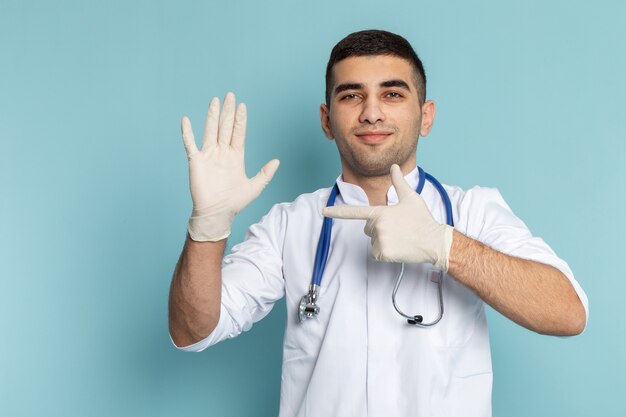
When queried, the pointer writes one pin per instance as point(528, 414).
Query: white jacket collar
point(353, 195)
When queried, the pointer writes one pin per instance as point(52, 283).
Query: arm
point(220, 189)
point(534, 295)
point(195, 292)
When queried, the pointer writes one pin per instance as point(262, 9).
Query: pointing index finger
point(348, 212)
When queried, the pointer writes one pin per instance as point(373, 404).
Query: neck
point(375, 187)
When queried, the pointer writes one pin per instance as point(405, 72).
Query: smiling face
point(374, 115)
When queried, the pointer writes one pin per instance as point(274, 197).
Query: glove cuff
point(443, 255)
point(209, 227)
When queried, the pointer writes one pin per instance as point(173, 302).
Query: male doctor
point(358, 357)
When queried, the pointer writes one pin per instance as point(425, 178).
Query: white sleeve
point(492, 222)
point(252, 279)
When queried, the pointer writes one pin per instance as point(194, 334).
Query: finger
point(348, 212)
point(239, 131)
point(369, 225)
point(210, 127)
point(376, 250)
point(403, 189)
point(264, 176)
point(227, 119)
point(188, 139)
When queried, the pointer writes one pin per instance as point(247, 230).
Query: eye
point(394, 95)
point(350, 96)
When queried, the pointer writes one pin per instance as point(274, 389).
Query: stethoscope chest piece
point(308, 304)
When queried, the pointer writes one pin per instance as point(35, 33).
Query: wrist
point(443, 255)
point(209, 227)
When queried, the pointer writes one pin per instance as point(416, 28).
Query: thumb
point(348, 212)
point(264, 176)
point(403, 189)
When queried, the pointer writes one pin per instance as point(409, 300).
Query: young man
point(357, 356)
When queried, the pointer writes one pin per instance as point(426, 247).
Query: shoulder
point(481, 209)
point(474, 198)
point(479, 199)
point(304, 205)
point(283, 216)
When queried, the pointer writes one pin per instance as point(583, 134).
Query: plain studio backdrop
point(94, 193)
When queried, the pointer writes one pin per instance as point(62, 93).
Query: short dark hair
point(376, 42)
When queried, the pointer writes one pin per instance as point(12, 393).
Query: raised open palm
point(219, 185)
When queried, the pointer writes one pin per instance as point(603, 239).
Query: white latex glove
point(217, 175)
point(405, 232)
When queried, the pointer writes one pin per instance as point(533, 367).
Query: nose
point(371, 111)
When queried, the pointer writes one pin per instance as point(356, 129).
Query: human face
point(374, 115)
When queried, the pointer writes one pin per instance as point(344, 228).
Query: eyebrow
point(348, 86)
point(385, 84)
point(396, 83)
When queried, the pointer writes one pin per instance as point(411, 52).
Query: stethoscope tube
point(308, 307)
point(323, 245)
point(418, 320)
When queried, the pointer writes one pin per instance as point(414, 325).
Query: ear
point(428, 117)
point(325, 121)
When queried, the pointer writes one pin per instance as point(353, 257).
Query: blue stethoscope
point(308, 304)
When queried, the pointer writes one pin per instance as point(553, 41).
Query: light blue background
point(94, 193)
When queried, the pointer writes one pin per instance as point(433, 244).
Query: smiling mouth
point(373, 137)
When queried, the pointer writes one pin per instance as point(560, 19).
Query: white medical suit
point(359, 357)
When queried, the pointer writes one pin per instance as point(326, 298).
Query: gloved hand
point(405, 232)
point(217, 176)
